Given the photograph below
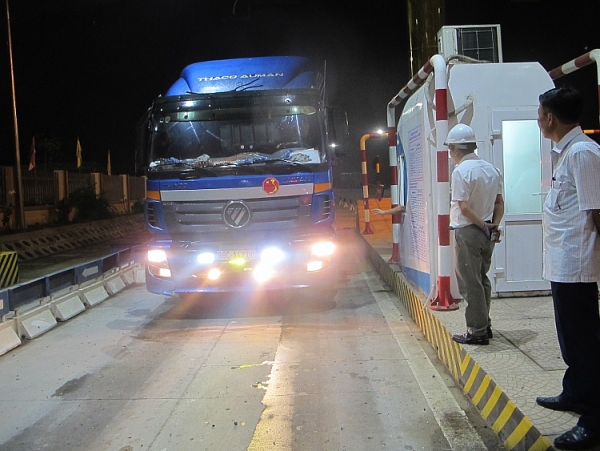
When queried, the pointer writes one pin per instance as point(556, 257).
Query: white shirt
point(571, 243)
point(477, 182)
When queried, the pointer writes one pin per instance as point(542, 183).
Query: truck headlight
point(315, 265)
point(214, 274)
point(272, 255)
point(157, 263)
point(323, 249)
point(157, 256)
point(262, 272)
point(205, 258)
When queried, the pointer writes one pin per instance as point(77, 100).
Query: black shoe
point(468, 339)
point(489, 332)
point(557, 403)
point(578, 438)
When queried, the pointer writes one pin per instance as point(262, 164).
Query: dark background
point(90, 68)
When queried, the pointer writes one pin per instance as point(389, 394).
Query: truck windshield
point(233, 138)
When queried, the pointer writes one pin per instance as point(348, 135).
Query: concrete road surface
point(147, 372)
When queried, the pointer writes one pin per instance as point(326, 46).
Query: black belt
point(454, 228)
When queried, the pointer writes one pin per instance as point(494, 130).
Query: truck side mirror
point(339, 136)
point(143, 134)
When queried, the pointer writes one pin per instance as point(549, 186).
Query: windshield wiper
point(284, 162)
point(287, 161)
point(186, 169)
point(160, 166)
point(197, 172)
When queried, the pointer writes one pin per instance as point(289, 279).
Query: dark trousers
point(473, 257)
point(578, 329)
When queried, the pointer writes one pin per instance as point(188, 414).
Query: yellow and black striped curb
point(515, 429)
point(9, 269)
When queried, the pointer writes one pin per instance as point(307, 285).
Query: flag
point(108, 168)
point(78, 153)
point(32, 154)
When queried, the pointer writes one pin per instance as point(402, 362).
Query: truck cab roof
point(247, 74)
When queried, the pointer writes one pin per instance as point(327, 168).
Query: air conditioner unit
point(482, 42)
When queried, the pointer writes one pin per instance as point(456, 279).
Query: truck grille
point(152, 220)
point(325, 207)
point(207, 217)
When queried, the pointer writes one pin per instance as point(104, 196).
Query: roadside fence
point(44, 189)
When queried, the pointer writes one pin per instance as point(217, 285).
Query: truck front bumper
point(221, 267)
point(324, 279)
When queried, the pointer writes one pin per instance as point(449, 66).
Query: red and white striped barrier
point(443, 299)
point(586, 59)
point(399, 99)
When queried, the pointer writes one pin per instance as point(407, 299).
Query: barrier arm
point(586, 59)
point(443, 299)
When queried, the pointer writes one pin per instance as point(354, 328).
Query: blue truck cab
point(238, 156)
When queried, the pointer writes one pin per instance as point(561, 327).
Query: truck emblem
point(236, 214)
point(270, 185)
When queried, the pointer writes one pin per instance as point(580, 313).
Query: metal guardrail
point(16, 296)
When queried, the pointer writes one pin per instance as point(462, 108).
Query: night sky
point(90, 68)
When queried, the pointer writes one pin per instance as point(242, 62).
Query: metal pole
point(20, 209)
point(425, 18)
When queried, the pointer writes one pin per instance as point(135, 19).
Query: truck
point(239, 158)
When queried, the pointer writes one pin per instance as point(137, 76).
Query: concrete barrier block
point(36, 321)
point(94, 294)
point(128, 276)
point(114, 284)
point(4, 305)
point(140, 275)
point(67, 307)
point(8, 337)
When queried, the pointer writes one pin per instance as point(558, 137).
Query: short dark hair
point(464, 148)
point(565, 103)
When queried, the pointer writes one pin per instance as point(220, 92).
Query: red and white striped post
point(365, 184)
point(443, 299)
point(437, 64)
point(365, 180)
point(586, 59)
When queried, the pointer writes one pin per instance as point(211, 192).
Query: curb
point(32, 320)
point(514, 428)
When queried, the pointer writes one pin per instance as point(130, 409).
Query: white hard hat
point(460, 134)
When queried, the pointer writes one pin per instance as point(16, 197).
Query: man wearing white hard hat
point(476, 208)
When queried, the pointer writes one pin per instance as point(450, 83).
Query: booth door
point(523, 155)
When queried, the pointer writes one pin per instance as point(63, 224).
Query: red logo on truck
point(270, 185)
